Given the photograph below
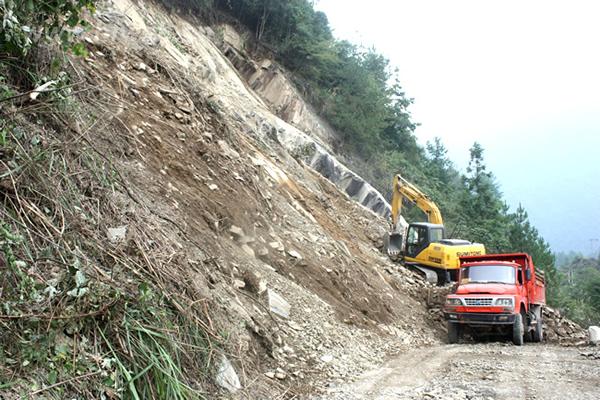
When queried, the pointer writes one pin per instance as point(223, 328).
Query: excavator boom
point(404, 189)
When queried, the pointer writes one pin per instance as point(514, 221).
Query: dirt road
point(498, 371)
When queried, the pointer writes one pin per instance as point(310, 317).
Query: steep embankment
point(179, 237)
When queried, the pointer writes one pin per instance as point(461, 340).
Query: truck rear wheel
point(538, 333)
point(518, 330)
point(454, 331)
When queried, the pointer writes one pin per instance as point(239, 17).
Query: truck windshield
point(488, 274)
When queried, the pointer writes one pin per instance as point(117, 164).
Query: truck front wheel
point(518, 330)
point(454, 331)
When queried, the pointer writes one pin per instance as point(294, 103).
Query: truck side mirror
point(528, 275)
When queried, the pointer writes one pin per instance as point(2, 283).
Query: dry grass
point(82, 315)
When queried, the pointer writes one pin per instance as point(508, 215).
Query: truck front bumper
point(480, 318)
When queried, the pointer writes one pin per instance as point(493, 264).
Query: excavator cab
point(418, 238)
point(420, 235)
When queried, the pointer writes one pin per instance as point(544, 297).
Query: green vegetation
point(27, 22)
point(579, 293)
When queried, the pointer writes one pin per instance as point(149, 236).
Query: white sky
point(521, 77)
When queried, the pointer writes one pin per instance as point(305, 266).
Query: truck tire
point(454, 331)
point(518, 330)
point(538, 333)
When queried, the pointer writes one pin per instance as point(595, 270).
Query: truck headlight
point(505, 302)
point(453, 301)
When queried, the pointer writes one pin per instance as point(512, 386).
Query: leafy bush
point(26, 22)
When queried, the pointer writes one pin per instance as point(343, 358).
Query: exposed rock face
point(311, 141)
point(269, 81)
point(354, 186)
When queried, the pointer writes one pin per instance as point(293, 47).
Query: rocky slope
point(288, 262)
point(198, 190)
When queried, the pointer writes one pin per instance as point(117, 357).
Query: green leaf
point(52, 376)
point(79, 50)
point(73, 20)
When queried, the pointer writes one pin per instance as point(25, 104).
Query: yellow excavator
point(423, 245)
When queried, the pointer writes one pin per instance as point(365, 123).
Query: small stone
point(294, 326)
point(239, 284)
point(227, 377)
point(594, 334)
point(213, 187)
point(254, 283)
point(263, 252)
point(277, 304)
point(280, 374)
point(117, 234)
point(277, 246)
point(295, 254)
point(327, 358)
point(236, 231)
point(270, 374)
point(179, 116)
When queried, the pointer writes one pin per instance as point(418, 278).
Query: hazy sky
point(520, 77)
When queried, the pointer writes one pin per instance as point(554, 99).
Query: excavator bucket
point(394, 244)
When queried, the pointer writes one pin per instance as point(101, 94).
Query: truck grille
point(479, 301)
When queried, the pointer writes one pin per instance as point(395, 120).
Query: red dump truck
point(497, 293)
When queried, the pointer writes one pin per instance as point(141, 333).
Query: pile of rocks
point(559, 329)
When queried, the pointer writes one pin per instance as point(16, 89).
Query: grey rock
point(236, 231)
point(594, 335)
point(277, 304)
point(226, 377)
point(295, 254)
point(117, 234)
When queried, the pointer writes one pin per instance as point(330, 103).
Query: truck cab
point(497, 292)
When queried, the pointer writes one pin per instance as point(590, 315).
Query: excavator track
point(429, 274)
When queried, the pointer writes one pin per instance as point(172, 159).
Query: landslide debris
point(175, 248)
point(559, 329)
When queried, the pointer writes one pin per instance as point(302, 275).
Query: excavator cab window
point(436, 234)
point(417, 240)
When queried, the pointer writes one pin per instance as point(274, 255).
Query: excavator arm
point(404, 189)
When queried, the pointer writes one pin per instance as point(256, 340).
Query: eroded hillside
point(169, 237)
